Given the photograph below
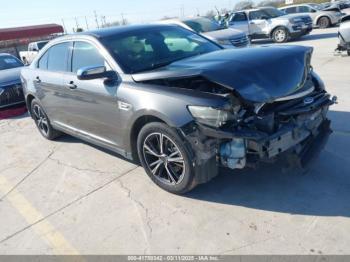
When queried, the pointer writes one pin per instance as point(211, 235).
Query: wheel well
point(318, 19)
point(135, 130)
point(29, 102)
point(280, 26)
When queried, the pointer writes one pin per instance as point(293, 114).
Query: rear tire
point(280, 35)
point(42, 121)
point(165, 158)
point(323, 22)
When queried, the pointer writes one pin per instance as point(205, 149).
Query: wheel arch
point(136, 127)
point(29, 99)
point(279, 26)
point(324, 15)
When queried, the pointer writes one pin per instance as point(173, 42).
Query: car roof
point(105, 32)
point(254, 9)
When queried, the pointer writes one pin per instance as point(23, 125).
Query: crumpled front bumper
point(297, 141)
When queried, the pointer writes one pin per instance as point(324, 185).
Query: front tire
point(323, 22)
point(280, 35)
point(42, 121)
point(165, 158)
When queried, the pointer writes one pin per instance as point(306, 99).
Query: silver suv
point(269, 22)
point(321, 17)
point(227, 37)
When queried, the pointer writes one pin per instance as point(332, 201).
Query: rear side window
point(57, 60)
point(85, 54)
point(239, 17)
point(291, 10)
point(304, 9)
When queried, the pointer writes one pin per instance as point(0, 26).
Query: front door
point(239, 21)
point(94, 111)
point(258, 23)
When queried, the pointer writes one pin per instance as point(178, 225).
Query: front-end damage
point(295, 129)
point(267, 116)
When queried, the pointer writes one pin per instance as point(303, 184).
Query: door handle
point(71, 85)
point(37, 80)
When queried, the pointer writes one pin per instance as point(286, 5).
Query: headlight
point(224, 42)
point(210, 116)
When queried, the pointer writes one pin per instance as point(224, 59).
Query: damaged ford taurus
point(178, 102)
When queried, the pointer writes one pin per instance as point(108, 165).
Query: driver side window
point(255, 15)
point(84, 55)
point(239, 17)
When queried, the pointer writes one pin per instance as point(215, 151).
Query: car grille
point(240, 42)
point(11, 95)
point(302, 105)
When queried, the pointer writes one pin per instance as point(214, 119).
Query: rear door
point(239, 21)
point(48, 79)
point(94, 108)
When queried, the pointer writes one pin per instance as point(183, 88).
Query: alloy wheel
point(164, 159)
point(280, 35)
point(41, 120)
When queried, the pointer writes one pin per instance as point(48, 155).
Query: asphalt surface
point(68, 197)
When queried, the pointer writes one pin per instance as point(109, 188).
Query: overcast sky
point(26, 12)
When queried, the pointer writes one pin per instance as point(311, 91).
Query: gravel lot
point(68, 197)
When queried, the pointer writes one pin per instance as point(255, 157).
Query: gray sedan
point(180, 104)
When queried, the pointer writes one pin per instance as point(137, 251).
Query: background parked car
point(321, 17)
point(33, 49)
point(344, 35)
point(11, 92)
point(344, 7)
point(226, 37)
point(269, 22)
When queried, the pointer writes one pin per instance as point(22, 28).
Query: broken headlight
point(210, 116)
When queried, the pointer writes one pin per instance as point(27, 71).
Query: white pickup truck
point(33, 49)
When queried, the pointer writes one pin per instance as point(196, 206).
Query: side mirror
point(35, 49)
point(264, 17)
point(95, 72)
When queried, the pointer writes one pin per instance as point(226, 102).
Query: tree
point(274, 3)
point(245, 4)
point(210, 14)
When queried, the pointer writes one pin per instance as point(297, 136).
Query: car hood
point(259, 74)
point(224, 34)
point(10, 76)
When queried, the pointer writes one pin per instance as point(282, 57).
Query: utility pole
point(64, 27)
point(102, 21)
point(76, 23)
point(123, 19)
point(96, 19)
point(87, 25)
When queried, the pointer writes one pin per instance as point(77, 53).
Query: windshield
point(146, 49)
point(203, 25)
point(8, 62)
point(316, 6)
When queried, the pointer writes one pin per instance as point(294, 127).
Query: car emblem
point(308, 100)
